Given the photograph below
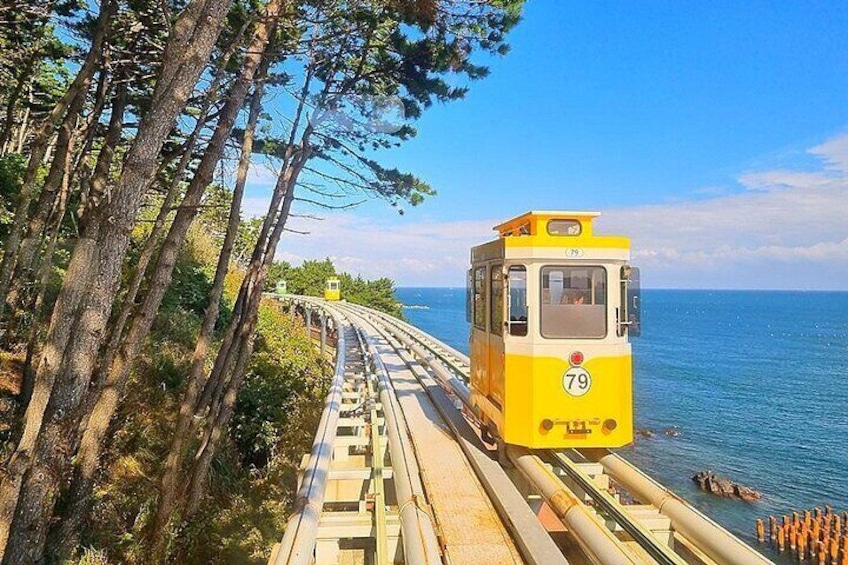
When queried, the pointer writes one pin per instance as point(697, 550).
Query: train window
point(573, 302)
point(480, 297)
point(564, 227)
point(496, 301)
point(518, 300)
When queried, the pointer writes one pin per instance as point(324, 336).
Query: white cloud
point(782, 228)
point(419, 253)
point(785, 226)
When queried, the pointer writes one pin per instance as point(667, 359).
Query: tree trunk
point(121, 359)
point(38, 149)
point(96, 186)
point(239, 355)
point(28, 254)
point(153, 239)
point(12, 103)
point(65, 534)
point(92, 121)
point(44, 278)
point(24, 124)
point(82, 309)
point(174, 461)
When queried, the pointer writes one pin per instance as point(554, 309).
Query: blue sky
point(715, 134)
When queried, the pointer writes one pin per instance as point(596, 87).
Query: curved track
point(484, 506)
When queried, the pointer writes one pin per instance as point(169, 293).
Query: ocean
point(756, 383)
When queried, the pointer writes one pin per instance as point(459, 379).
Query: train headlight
point(576, 358)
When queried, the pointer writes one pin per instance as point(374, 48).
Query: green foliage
point(378, 294)
point(310, 279)
point(246, 237)
point(12, 169)
point(284, 371)
point(189, 289)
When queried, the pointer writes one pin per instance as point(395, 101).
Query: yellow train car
point(552, 307)
point(333, 289)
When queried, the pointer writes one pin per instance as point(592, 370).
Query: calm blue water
point(756, 382)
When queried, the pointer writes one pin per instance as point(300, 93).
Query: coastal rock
point(645, 433)
point(724, 487)
point(672, 431)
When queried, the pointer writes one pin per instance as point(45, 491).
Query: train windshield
point(573, 302)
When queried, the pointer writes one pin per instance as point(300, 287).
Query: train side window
point(480, 297)
point(573, 302)
point(496, 318)
point(517, 300)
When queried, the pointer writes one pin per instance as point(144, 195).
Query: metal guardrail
point(298, 543)
point(420, 544)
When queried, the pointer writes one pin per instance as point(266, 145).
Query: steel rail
point(597, 541)
point(714, 540)
point(655, 548)
point(298, 543)
point(420, 544)
point(382, 551)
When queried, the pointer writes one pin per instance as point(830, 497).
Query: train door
point(477, 280)
point(496, 337)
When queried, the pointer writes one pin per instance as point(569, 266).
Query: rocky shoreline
point(708, 481)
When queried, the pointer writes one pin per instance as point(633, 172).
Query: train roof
point(531, 218)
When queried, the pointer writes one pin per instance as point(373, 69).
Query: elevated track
point(398, 473)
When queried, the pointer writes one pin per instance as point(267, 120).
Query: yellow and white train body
point(552, 307)
point(332, 291)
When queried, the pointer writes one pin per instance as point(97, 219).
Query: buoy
point(761, 531)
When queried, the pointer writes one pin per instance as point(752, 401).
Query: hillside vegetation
point(309, 279)
point(153, 404)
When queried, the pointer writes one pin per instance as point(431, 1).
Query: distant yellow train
point(333, 289)
point(552, 307)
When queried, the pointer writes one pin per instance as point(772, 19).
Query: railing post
point(323, 332)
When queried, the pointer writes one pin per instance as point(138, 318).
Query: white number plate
point(577, 381)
